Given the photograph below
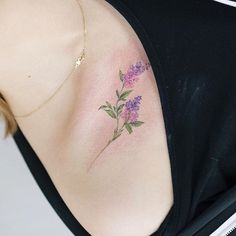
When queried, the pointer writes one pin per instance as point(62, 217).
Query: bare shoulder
point(17, 18)
point(25, 18)
point(36, 37)
point(18, 25)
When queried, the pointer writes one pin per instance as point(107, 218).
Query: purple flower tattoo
point(128, 111)
point(131, 76)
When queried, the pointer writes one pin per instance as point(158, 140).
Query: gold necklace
point(78, 62)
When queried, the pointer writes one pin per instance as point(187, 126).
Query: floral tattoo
point(128, 111)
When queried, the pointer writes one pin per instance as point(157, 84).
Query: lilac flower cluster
point(133, 105)
point(135, 70)
point(130, 113)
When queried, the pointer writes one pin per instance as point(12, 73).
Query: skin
point(129, 190)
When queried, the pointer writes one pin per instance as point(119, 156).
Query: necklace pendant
point(79, 60)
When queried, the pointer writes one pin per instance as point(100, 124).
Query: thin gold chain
point(78, 62)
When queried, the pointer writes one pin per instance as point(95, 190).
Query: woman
point(117, 108)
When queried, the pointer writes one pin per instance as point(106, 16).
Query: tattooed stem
point(91, 164)
point(117, 102)
point(109, 142)
point(116, 131)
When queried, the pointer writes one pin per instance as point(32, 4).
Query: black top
point(191, 45)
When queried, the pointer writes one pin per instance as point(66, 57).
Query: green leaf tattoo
point(111, 113)
point(136, 123)
point(128, 127)
point(125, 94)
